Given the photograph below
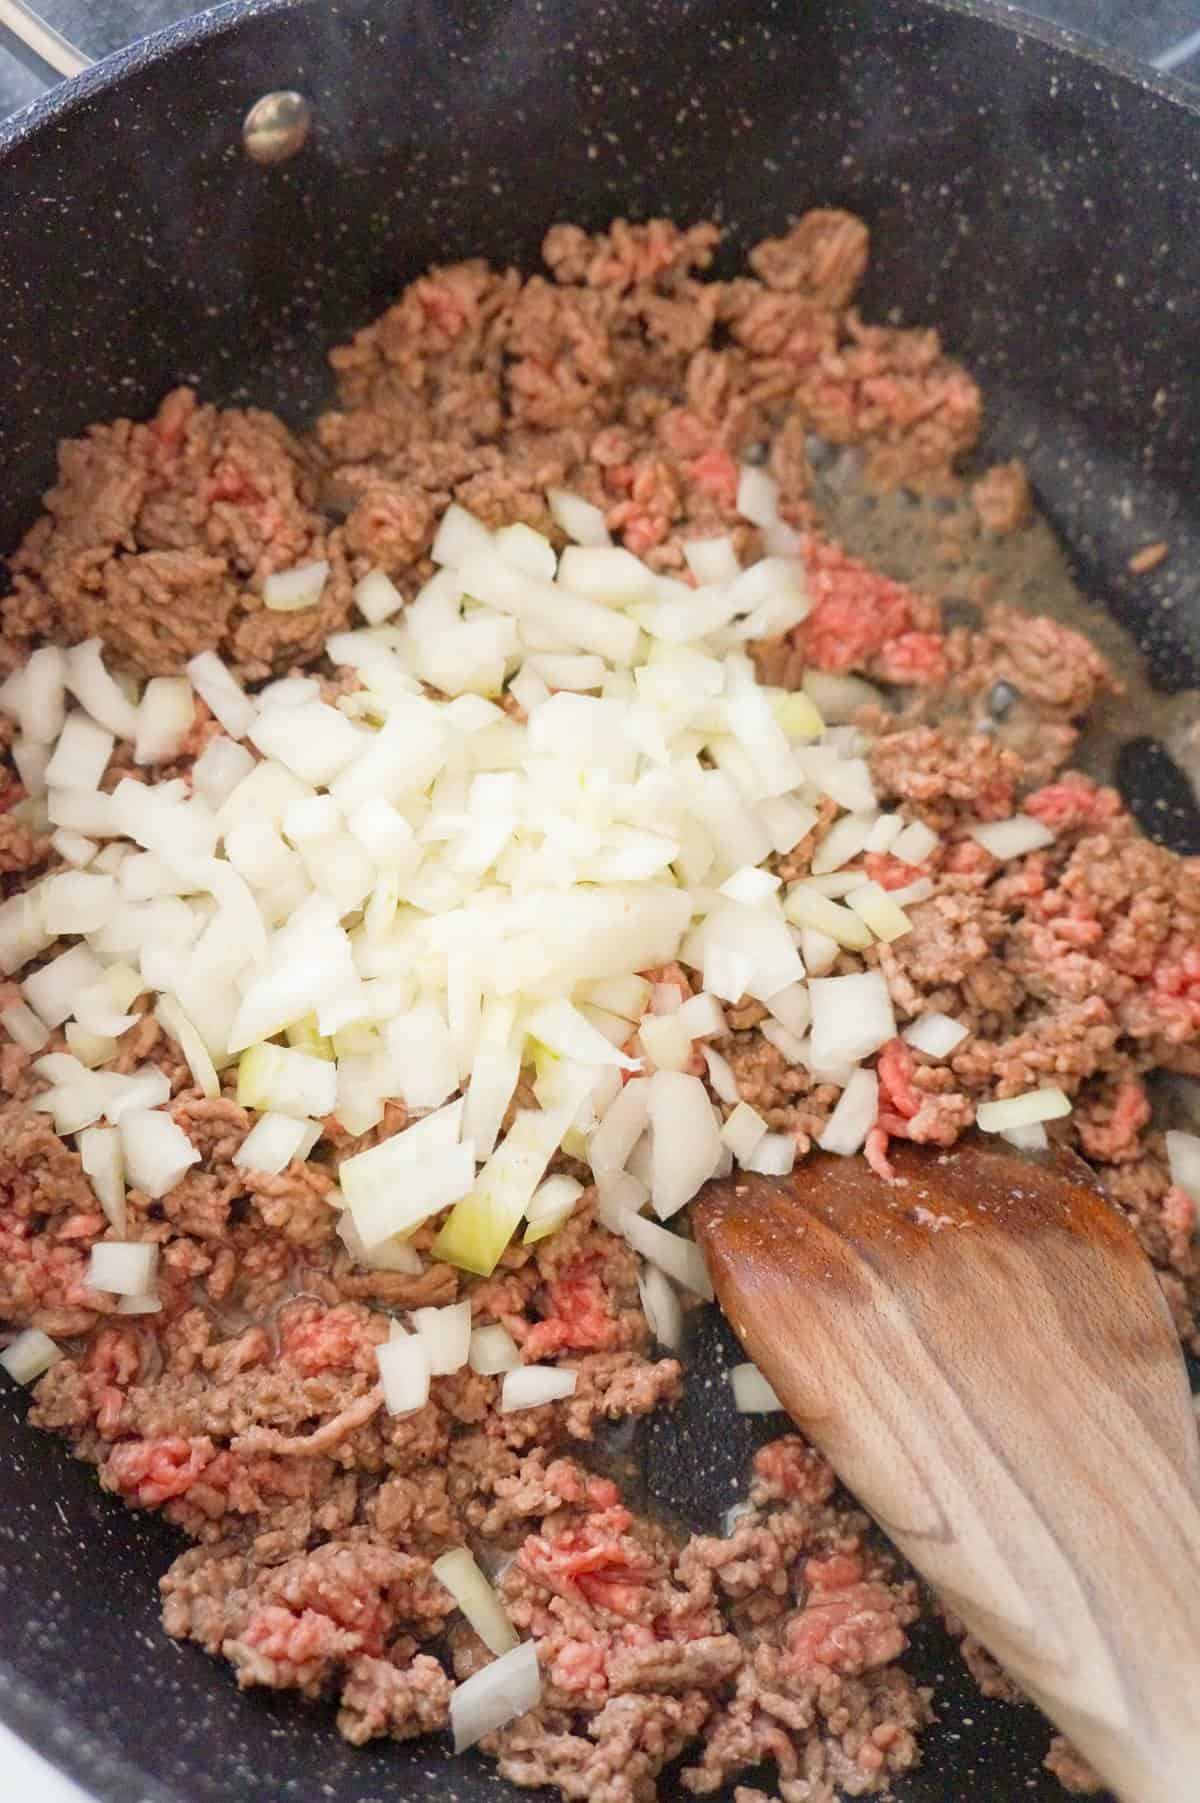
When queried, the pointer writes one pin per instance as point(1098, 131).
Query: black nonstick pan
point(1041, 207)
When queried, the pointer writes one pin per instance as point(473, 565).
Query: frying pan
point(1040, 205)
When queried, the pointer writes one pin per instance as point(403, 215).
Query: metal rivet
point(277, 126)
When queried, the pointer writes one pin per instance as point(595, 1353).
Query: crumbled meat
point(249, 1409)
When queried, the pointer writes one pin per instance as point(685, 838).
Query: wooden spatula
point(983, 1353)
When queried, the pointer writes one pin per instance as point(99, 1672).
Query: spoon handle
point(1032, 1449)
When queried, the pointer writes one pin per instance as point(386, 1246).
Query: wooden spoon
point(984, 1355)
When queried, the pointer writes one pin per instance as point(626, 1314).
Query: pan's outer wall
point(1041, 208)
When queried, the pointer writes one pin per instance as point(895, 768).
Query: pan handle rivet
point(276, 126)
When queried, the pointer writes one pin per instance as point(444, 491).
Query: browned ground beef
point(248, 1410)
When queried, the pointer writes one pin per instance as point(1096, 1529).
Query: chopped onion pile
point(409, 894)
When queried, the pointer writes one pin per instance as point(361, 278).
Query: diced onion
point(873, 904)
point(529, 1386)
point(743, 1131)
point(52, 990)
point(914, 843)
point(493, 1351)
point(104, 1163)
point(495, 1696)
point(183, 1031)
point(23, 1027)
point(687, 1143)
point(447, 1336)
point(752, 1394)
point(122, 1268)
point(1048, 1104)
point(222, 694)
point(661, 1307)
point(404, 1373)
point(1183, 1157)
point(681, 1259)
point(553, 1203)
point(577, 518)
point(29, 1355)
point(845, 839)
point(271, 1144)
point(702, 1017)
point(937, 1035)
point(1030, 1138)
point(81, 755)
point(460, 1575)
point(774, 1155)
point(287, 591)
point(95, 690)
point(377, 598)
point(164, 719)
point(277, 1080)
point(807, 909)
point(156, 1151)
point(838, 697)
point(852, 1119)
point(666, 1041)
point(1012, 838)
point(851, 1017)
point(720, 1075)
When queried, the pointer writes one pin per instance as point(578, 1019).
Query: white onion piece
point(552, 1203)
point(41, 696)
point(287, 591)
point(872, 903)
point(91, 1049)
point(164, 719)
point(618, 1194)
point(681, 1259)
point(1183, 1156)
point(914, 843)
point(774, 1155)
point(787, 821)
point(51, 991)
point(743, 1131)
point(156, 1151)
point(937, 1035)
point(666, 1041)
point(560, 1027)
point(712, 560)
point(29, 1355)
point(460, 1575)
point(377, 598)
point(139, 1305)
point(24, 1027)
point(147, 1088)
point(579, 519)
point(447, 1336)
point(702, 1017)
point(83, 811)
point(78, 901)
point(404, 1373)
point(122, 1267)
point(182, 1030)
point(312, 740)
point(839, 698)
point(32, 760)
point(811, 911)
point(1012, 838)
point(720, 1075)
point(752, 1394)
point(912, 893)
point(757, 496)
point(788, 1043)
point(275, 1079)
point(750, 885)
point(661, 1307)
point(493, 1351)
point(222, 694)
point(96, 692)
point(851, 1017)
point(459, 534)
point(1030, 1138)
point(792, 1008)
point(845, 839)
point(884, 833)
point(847, 1127)
point(529, 1386)
point(621, 1127)
point(526, 549)
point(74, 848)
point(388, 1255)
point(271, 1144)
point(687, 1144)
point(1047, 1104)
point(81, 755)
point(495, 1696)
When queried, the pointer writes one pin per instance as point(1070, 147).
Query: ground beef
point(248, 1409)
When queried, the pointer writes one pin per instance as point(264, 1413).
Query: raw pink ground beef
point(248, 1409)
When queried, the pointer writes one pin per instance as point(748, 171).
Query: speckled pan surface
point(1043, 209)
